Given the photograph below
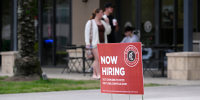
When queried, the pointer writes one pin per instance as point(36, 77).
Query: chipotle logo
point(131, 56)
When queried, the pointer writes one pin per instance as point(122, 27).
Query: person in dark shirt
point(108, 11)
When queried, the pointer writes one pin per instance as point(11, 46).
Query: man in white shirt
point(129, 36)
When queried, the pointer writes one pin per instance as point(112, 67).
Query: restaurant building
point(61, 22)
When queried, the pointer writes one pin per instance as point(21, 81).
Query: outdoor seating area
point(76, 60)
point(154, 60)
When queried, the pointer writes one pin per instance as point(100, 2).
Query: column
point(40, 28)
point(0, 25)
point(54, 32)
point(14, 25)
point(198, 15)
point(158, 8)
point(188, 25)
point(137, 14)
point(175, 23)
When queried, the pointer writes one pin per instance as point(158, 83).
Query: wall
point(80, 14)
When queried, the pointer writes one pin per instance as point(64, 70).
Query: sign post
point(121, 68)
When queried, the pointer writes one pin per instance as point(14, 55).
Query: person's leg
point(96, 69)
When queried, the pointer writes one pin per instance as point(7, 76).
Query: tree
point(27, 64)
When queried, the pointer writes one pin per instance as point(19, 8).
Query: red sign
point(121, 68)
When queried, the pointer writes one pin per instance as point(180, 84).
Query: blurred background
point(160, 22)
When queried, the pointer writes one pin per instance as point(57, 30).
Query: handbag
point(89, 49)
point(89, 54)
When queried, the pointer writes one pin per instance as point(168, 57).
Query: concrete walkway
point(56, 73)
point(175, 90)
point(150, 93)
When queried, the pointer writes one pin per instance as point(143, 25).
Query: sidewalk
point(175, 90)
point(150, 93)
point(56, 73)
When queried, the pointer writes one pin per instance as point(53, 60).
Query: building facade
point(62, 22)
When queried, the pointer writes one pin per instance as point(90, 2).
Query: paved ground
point(151, 93)
point(56, 73)
point(176, 90)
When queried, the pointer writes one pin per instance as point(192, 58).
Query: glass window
point(147, 28)
point(47, 32)
point(127, 12)
point(167, 11)
point(62, 29)
point(6, 25)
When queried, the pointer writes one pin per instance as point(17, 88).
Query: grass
point(151, 85)
point(8, 87)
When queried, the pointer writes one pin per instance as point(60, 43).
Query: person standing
point(96, 31)
point(108, 11)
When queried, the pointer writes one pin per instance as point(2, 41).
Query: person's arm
point(123, 41)
point(87, 33)
point(107, 27)
point(105, 18)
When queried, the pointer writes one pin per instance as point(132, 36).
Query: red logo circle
point(131, 56)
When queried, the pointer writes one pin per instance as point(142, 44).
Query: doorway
point(56, 31)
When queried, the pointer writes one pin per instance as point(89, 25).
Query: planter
point(184, 65)
point(8, 59)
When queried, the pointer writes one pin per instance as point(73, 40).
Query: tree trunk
point(27, 64)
